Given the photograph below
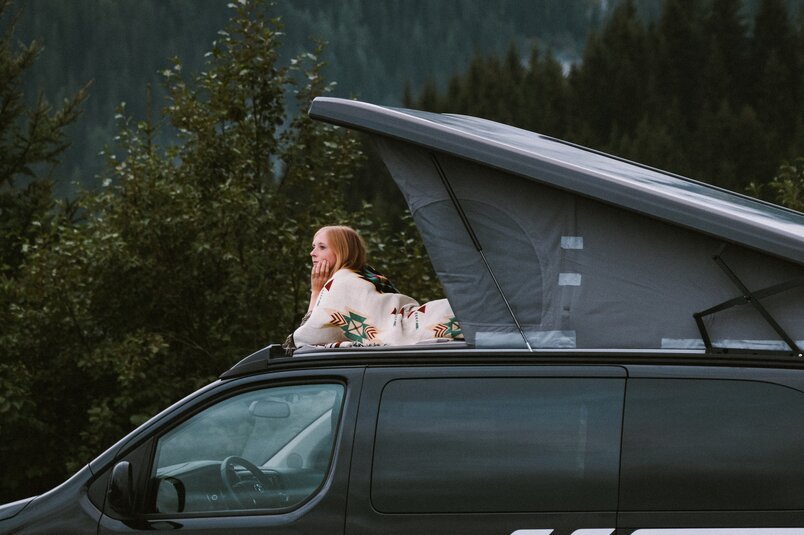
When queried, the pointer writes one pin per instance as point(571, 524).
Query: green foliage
point(788, 185)
point(189, 257)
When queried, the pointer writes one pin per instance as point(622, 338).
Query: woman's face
point(321, 250)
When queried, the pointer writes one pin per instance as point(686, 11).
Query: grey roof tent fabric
point(588, 250)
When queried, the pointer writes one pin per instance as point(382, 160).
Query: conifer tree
point(32, 139)
point(680, 57)
point(725, 71)
point(775, 64)
point(545, 96)
point(733, 148)
point(614, 58)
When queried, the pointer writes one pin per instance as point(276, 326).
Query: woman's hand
point(319, 274)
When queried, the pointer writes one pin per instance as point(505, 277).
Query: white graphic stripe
point(721, 531)
point(587, 531)
point(674, 531)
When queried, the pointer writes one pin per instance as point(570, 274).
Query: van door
point(265, 453)
point(487, 450)
point(711, 450)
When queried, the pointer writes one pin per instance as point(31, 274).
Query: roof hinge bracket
point(754, 299)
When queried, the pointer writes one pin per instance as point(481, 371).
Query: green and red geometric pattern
point(450, 329)
point(354, 327)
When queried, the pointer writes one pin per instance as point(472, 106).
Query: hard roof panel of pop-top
point(681, 201)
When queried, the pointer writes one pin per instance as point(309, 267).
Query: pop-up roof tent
point(544, 244)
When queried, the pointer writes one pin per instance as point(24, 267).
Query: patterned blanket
point(362, 309)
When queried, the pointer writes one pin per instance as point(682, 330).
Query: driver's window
point(263, 449)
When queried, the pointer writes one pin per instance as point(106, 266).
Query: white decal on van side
point(593, 531)
point(674, 531)
point(721, 531)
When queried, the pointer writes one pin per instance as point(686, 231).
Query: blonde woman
point(353, 305)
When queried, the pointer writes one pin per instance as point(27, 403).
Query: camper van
point(633, 364)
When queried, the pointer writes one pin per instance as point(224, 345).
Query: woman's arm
point(319, 328)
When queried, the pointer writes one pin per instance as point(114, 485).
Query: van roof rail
point(257, 361)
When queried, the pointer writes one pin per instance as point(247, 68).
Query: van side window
point(713, 445)
point(497, 445)
point(262, 449)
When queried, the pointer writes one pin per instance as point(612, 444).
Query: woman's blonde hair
point(347, 246)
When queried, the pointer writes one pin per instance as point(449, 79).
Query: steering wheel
point(255, 492)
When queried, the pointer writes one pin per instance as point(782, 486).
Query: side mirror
point(121, 489)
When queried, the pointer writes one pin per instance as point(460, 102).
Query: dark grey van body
point(480, 442)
